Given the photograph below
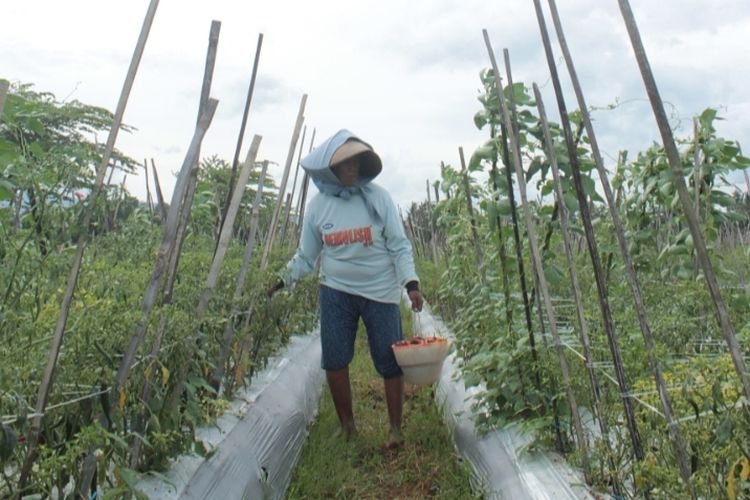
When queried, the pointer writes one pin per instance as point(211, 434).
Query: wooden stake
point(229, 330)
point(697, 169)
point(504, 268)
point(168, 242)
point(537, 261)
point(534, 292)
point(159, 195)
point(119, 200)
point(519, 248)
point(673, 156)
point(303, 197)
point(213, 276)
point(287, 211)
point(678, 442)
point(189, 193)
point(593, 248)
point(583, 327)
point(282, 187)
point(228, 227)
point(294, 186)
point(32, 438)
point(149, 200)
point(241, 135)
point(474, 233)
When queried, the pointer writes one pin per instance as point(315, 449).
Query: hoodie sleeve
point(397, 243)
point(303, 262)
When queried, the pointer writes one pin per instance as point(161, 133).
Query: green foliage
point(48, 152)
point(485, 310)
point(426, 466)
point(651, 199)
point(212, 191)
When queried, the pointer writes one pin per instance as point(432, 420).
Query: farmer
point(365, 262)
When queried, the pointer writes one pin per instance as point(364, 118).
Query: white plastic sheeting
point(255, 446)
point(500, 469)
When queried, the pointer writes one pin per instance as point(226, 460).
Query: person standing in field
point(365, 262)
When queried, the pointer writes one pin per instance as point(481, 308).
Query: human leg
point(394, 398)
point(383, 323)
point(341, 392)
point(339, 320)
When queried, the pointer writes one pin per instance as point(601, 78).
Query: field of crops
point(606, 308)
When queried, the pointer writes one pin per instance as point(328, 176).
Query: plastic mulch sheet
point(254, 447)
point(501, 469)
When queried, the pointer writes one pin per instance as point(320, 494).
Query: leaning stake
point(472, 220)
point(577, 295)
point(159, 194)
point(282, 187)
point(32, 439)
point(537, 260)
point(674, 162)
point(240, 136)
point(678, 442)
point(596, 262)
point(213, 275)
point(229, 329)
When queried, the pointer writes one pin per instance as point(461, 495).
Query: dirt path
point(426, 466)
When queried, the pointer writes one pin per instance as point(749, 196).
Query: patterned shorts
point(339, 318)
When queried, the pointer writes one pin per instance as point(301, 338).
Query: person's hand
point(274, 288)
point(416, 300)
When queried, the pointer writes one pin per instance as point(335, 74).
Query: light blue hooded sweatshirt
point(356, 231)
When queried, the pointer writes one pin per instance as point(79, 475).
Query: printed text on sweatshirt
point(349, 236)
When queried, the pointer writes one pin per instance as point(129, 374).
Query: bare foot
point(347, 433)
point(395, 439)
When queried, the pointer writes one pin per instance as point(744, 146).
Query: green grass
point(426, 466)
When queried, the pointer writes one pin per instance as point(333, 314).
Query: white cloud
point(403, 75)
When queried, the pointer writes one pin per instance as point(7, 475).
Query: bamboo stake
point(537, 261)
point(576, 288)
point(433, 229)
point(287, 211)
point(303, 197)
point(159, 195)
point(697, 169)
point(621, 159)
point(119, 200)
point(678, 442)
point(593, 248)
point(301, 209)
point(294, 186)
point(674, 161)
point(189, 194)
point(228, 227)
point(229, 331)
point(519, 248)
point(534, 292)
point(179, 209)
point(213, 275)
point(282, 187)
point(149, 200)
point(504, 269)
point(168, 242)
point(32, 439)
point(472, 220)
point(241, 135)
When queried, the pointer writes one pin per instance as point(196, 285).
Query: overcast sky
point(403, 75)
